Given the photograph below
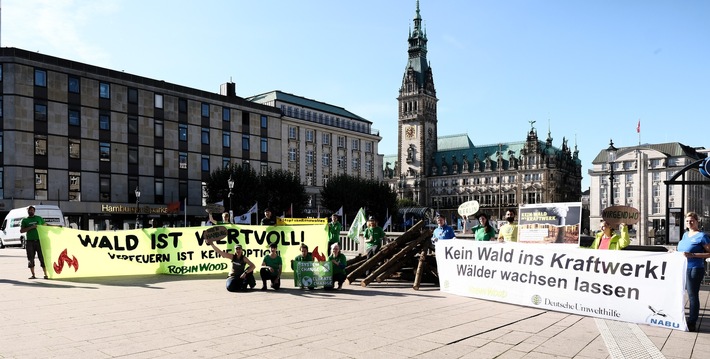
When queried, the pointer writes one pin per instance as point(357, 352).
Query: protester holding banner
point(339, 261)
point(268, 219)
point(333, 227)
point(484, 231)
point(443, 231)
point(606, 239)
point(696, 247)
point(241, 275)
point(32, 244)
point(305, 256)
point(509, 231)
point(271, 268)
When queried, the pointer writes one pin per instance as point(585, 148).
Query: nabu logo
point(536, 299)
point(657, 317)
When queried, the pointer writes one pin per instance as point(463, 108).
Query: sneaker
point(45, 277)
point(32, 277)
point(263, 288)
point(340, 285)
point(691, 327)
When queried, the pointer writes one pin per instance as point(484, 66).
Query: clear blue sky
point(587, 69)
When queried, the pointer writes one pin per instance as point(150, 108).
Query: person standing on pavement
point(32, 245)
point(241, 275)
point(334, 227)
point(268, 219)
point(695, 245)
point(443, 231)
point(509, 231)
point(484, 231)
point(607, 239)
point(271, 268)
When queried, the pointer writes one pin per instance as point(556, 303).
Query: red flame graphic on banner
point(317, 256)
point(64, 258)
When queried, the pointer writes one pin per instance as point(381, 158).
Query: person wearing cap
point(268, 219)
point(305, 256)
point(334, 227)
point(373, 237)
point(241, 276)
point(443, 231)
point(271, 268)
point(32, 245)
point(484, 231)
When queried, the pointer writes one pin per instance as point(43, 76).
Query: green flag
point(356, 226)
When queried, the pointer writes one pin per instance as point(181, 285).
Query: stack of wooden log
point(408, 257)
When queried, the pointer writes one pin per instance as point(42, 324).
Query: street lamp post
point(138, 204)
point(611, 158)
point(230, 183)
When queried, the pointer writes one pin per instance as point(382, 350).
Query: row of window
point(505, 199)
point(74, 189)
point(325, 139)
point(325, 119)
point(326, 161)
point(74, 86)
point(528, 177)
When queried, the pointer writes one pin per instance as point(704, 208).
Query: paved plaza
point(166, 316)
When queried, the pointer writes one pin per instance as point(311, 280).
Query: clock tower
point(417, 118)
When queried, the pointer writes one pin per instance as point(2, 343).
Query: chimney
point(228, 89)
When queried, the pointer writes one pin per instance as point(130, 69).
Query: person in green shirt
point(305, 256)
point(373, 237)
point(271, 268)
point(339, 262)
point(484, 231)
point(32, 245)
point(333, 227)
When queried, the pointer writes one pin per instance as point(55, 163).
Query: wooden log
point(420, 268)
point(394, 260)
point(354, 262)
point(401, 262)
point(386, 251)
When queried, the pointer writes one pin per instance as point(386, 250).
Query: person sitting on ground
point(339, 262)
point(607, 239)
point(271, 268)
point(305, 256)
point(242, 274)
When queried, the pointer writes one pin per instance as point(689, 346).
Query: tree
point(352, 193)
point(277, 189)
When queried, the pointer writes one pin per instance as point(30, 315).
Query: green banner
point(313, 274)
point(71, 253)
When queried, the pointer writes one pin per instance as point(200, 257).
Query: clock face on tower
point(410, 132)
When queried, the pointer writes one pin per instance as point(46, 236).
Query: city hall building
point(441, 172)
point(113, 149)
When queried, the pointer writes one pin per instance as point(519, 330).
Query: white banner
point(631, 286)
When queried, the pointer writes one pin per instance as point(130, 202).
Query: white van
point(10, 230)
